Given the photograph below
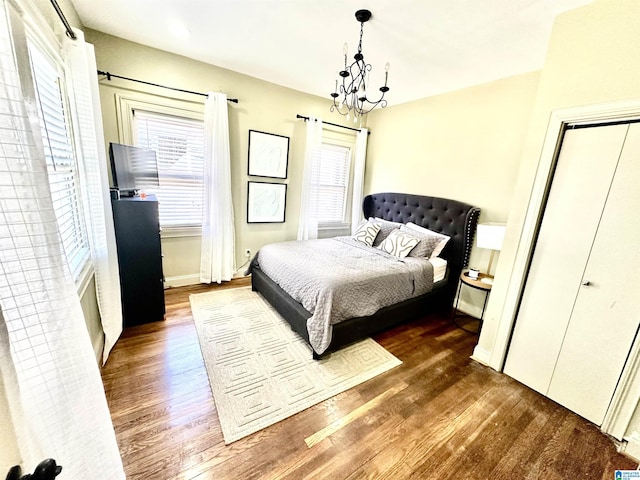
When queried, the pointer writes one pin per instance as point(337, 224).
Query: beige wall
point(262, 106)
point(89, 304)
point(50, 15)
point(465, 145)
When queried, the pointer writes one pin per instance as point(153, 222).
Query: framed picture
point(266, 202)
point(268, 154)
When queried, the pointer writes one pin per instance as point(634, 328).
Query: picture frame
point(266, 202)
point(268, 155)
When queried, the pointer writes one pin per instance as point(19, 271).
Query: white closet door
point(585, 168)
point(607, 311)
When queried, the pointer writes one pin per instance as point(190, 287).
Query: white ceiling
point(433, 46)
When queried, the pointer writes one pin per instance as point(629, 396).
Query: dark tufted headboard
point(451, 217)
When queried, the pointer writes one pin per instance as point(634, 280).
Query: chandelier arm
point(381, 102)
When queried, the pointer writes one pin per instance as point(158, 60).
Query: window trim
point(33, 29)
point(347, 140)
point(126, 104)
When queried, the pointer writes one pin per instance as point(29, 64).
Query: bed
point(453, 218)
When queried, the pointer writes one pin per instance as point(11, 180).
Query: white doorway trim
point(627, 393)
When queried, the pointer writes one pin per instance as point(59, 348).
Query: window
point(61, 158)
point(331, 178)
point(179, 146)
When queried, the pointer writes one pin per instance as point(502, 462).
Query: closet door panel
point(607, 311)
point(585, 168)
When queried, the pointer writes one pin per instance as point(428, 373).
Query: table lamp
point(490, 236)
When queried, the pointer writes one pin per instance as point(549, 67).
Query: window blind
point(330, 182)
point(179, 146)
point(61, 160)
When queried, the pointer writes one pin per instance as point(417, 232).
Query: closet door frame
point(627, 394)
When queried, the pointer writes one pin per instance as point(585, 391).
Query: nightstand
point(478, 284)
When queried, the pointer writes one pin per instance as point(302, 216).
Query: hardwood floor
point(439, 415)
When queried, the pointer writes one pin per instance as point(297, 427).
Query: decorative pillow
point(385, 229)
point(427, 244)
point(398, 243)
point(366, 232)
point(417, 229)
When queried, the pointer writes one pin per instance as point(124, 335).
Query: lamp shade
point(490, 235)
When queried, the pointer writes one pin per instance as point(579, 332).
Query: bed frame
point(451, 217)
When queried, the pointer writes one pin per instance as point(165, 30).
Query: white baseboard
point(631, 448)
point(481, 355)
point(98, 349)
point(469, 309)
point(182, 280)
point(193, 279)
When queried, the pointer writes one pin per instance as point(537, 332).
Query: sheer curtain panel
point(358, 178)
point(308, 221)
point(85, 103)
point(57, 407)
point(217, 261)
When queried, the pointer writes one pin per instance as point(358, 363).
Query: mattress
point(439, 268)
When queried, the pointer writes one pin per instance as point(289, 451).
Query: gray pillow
point(386, 227)
point(427, 244)
point(417, 229)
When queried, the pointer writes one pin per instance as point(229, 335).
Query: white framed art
point(268, 154)
point(266, 202)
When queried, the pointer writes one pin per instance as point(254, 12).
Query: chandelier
point(350, 97)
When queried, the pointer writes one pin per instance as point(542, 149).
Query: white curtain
point(308, 222)
point(217, 260)
point(83, 83)
point(50, 380)
point(358, 178)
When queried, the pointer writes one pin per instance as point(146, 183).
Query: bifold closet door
point(585, 169)
point(606, 314)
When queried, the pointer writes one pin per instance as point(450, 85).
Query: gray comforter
point(340, 278)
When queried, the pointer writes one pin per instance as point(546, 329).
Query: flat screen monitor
point(133, 168)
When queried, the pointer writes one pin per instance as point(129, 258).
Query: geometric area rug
point(261, 371)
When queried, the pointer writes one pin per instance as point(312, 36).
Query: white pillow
point(385, 229)
point(366, 232)
point(417, 229)
point(398, 243)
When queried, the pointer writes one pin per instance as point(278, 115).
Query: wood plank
point(352, 416)
point(438, 415)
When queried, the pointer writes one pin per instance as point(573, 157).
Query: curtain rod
point(333, 124)
point(70, 33)
point(110, 75)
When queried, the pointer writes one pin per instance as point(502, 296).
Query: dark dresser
point(139, 258)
